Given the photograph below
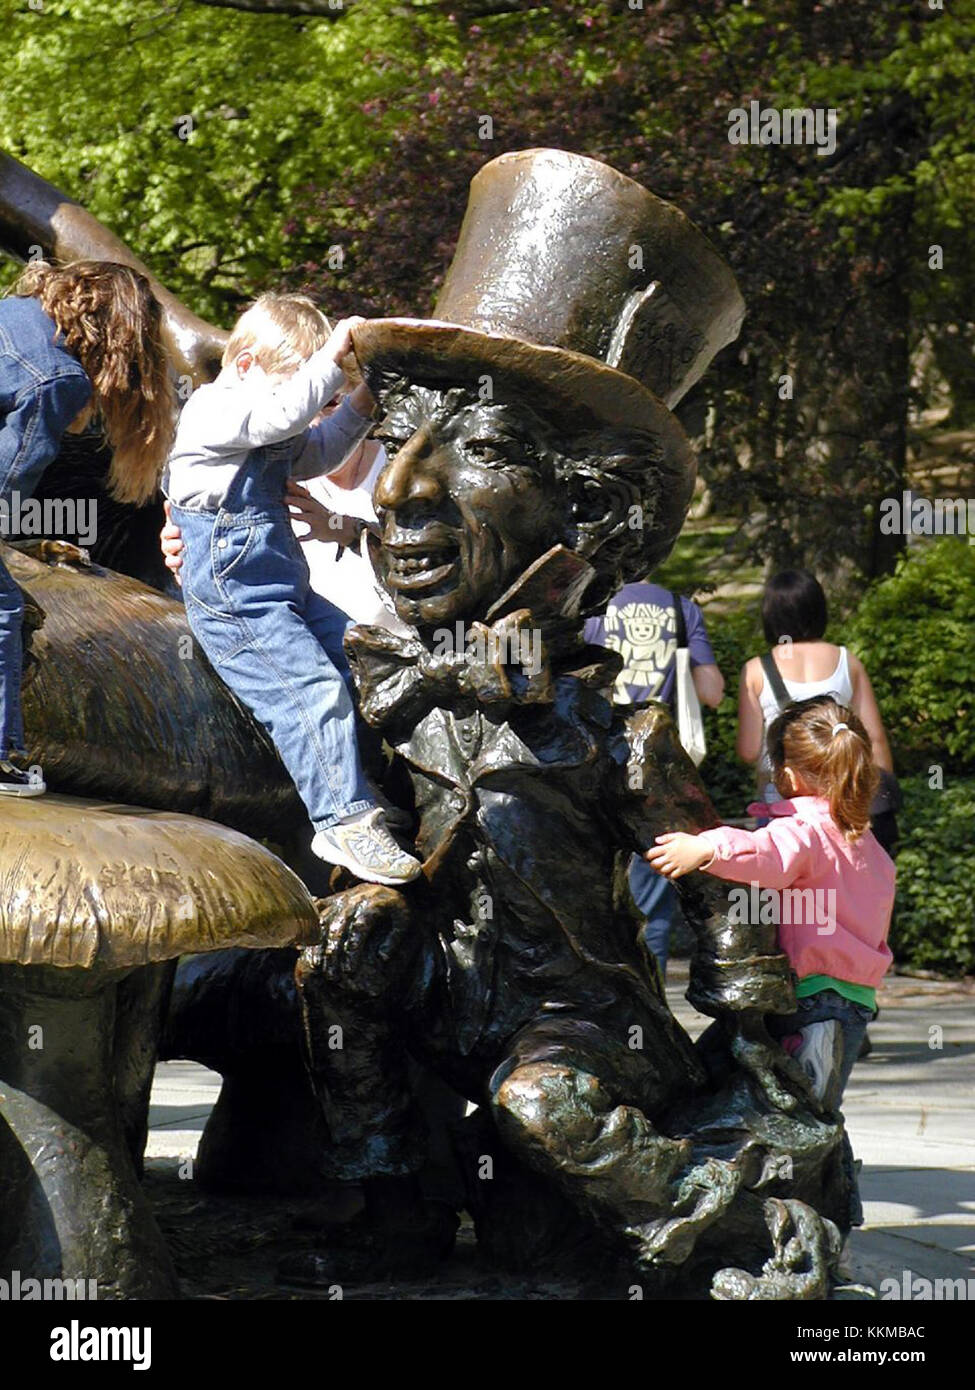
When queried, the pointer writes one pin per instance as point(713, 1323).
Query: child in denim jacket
point(274, 641)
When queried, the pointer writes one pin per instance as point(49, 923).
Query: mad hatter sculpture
point(533, 461)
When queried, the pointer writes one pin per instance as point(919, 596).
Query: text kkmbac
point(52, 516)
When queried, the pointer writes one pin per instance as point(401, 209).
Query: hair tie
point(837, 728)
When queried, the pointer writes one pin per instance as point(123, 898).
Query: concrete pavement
point(910, 1110)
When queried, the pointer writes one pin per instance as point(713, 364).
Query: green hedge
point(934, 922)
point(913, 632)
point(730, 783)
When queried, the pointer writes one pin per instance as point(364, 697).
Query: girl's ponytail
point(828, 747)
point(850, 774)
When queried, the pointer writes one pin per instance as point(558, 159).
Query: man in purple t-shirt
point(641, 624)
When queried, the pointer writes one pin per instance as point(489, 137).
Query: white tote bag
point(690, 725)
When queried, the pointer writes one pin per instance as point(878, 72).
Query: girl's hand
point(323, 524)
point(678, 854)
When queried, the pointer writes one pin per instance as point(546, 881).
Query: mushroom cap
point(87, 883)
point(113, 712)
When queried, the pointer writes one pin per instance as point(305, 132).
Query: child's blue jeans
point(11, 665)
point(278, 646)
point(816, 1008)
point(656, 899)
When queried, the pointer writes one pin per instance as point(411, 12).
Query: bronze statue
point(533, 459)
point(97, 901)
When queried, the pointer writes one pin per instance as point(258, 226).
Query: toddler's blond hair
point(282, 330)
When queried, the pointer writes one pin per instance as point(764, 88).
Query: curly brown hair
point(110, 321)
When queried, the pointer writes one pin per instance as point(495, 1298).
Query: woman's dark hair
point(793, 605)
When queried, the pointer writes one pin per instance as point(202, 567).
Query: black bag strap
point(776, 684)
point(679, 622)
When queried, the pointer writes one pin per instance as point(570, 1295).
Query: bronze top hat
point(581, 291)
point(570, 274)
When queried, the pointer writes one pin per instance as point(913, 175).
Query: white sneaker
point(365, 847)
point(13, 782)
point(820, 1055)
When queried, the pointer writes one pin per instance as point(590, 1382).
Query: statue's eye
point(391, 437)
point(489, 452)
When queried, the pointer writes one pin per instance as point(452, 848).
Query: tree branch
point(322, 9)
point(334, 9)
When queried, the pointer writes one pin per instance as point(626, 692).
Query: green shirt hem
point(815, 984)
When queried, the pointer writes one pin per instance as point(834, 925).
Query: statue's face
point(465, 505)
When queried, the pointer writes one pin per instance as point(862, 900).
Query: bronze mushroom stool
point(92, 895)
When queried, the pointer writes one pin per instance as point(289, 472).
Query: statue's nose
point(411, 474)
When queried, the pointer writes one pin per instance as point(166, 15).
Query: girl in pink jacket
point(818, 873)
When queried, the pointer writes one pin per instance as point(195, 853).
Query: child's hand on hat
point(339, 343)
point(677, 854)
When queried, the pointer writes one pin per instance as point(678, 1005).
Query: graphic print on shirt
point(637, 632)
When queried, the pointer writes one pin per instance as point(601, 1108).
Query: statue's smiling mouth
point(421, 564)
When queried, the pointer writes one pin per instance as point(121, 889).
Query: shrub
point(913, 632)
point(731, 784)
point(934, 923)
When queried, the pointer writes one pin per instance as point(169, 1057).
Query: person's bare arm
point(751, 725)
point(323, 524)
point(709, 684)
point(867, 710)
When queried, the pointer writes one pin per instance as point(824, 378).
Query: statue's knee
point(546, 1104)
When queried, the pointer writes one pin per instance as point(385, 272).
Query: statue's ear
point(599, 507)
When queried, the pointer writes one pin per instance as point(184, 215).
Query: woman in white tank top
point(794, 619)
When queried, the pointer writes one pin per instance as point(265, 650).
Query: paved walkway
point(910, 1109)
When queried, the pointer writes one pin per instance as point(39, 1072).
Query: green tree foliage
point(237, 149)
point(934, 924)
point(914, 633)
point(191, 131)
point(832, 250)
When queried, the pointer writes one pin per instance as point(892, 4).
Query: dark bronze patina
point(519, 462)
point(97, 899)
point(534, 461)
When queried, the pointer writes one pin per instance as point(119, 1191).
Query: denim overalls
point(275, 642)
point(42, 389)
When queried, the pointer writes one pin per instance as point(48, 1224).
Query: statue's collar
point(401, 677)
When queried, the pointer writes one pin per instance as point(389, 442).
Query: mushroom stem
point(73, 1207)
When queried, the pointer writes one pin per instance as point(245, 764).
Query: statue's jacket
point(523, 807)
